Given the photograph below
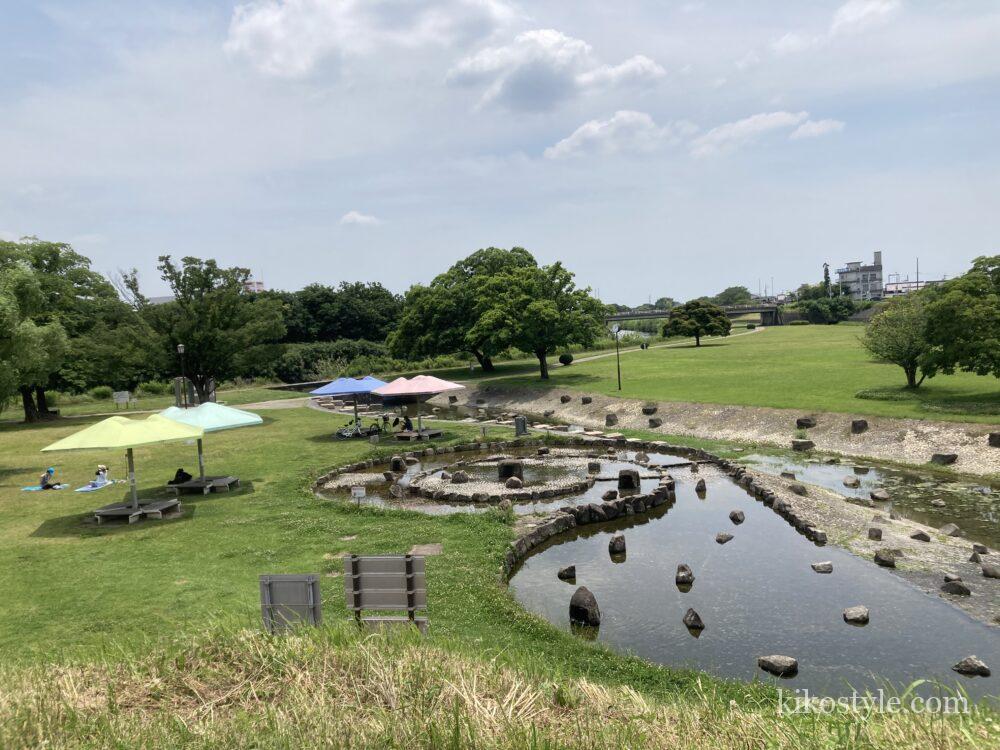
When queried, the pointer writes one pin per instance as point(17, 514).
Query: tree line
point(68, 328)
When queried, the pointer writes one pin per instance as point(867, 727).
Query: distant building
point(863, 282)
point(253, 286)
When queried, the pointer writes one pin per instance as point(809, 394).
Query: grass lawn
point(815, 368)
point(147, 622)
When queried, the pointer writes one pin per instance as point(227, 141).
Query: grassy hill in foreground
point(813, 368)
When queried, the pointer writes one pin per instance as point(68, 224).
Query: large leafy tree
point(77, 310)
point(353, 310)
point(963, 321)
point(32, 345)
point(219, 323)
point(697, 318)
point(896, 334)
point(440, 318)
point(539, 310)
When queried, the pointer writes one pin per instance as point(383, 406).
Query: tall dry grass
point(334, 688)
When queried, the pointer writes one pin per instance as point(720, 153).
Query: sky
point(657, 148)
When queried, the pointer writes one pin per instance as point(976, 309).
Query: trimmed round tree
point(697, 318)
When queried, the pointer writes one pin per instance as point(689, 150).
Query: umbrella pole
point(357, 427)
point(420, 424)
point(201, 460)
point(131, 478)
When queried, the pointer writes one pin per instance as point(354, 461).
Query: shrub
point(153, 388)
point(751, 326)
point(799, 323)
point(101, 393)
point(565, 359)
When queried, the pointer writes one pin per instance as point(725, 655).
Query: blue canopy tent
point(353, 388)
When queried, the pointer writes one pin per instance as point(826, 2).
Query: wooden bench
point(386, 583)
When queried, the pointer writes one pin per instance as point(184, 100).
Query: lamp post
point(180, 352)
point(618, 357)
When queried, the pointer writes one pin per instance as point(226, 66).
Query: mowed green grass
point(75, 591)
point(813, 368)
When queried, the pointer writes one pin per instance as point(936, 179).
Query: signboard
point(357, 492)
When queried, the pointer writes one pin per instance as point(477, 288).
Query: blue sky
point(657, 148)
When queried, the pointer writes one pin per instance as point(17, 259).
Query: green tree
point(354, 310)
point(734, 295)
point(665, 303)
point(440, 318)
point(896, 335)
point(963, 321)
point(697, 318)
point(828, 310)
point(217, 320)
point(31, 349)
point(826, 279)
point(539, 310)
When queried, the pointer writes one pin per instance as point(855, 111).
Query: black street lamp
point(617, 329)
point(180, 351)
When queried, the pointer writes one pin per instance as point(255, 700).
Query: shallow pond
point(974, 507)
point(757, 595)
point(482, 466)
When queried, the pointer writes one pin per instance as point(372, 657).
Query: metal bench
point(386, 583)
point(288, 601)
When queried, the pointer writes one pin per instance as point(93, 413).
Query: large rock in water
point(823, 567)
point(950, 529)
point(459, 477)
point(973, 666)
point(803, 445)
point(397, 464)
point(781, 666)
point(617, 544)
point(722, 537)
point(513, 483)
point(956, 588)
point(944, 459)
point(692, 620)
point(737, 517)
point(610, 495)
point(583, 608)
point(567, 574)
point(880, 495)
point(700, 486)
point(856, 615)
point(628, 479)
point(685, 576)
point(852, 481)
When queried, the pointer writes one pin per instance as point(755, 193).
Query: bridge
point(770, 315)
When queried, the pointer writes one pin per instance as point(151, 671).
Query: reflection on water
point(757, 595)
point(974, 507)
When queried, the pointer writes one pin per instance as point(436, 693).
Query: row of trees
point(943, 328)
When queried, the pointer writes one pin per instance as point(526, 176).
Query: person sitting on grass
point(100, 477)
point(47, 480)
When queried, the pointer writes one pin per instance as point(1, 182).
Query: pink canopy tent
point(415, 390)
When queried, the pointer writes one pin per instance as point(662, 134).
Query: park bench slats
point(387, 583)
point(289, 600)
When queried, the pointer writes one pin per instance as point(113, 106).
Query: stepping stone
point(567, 574)
point(858, 426)
point(803, 445)
point(920, 536)
point(852, 481)
point(692, 620)
point(427, 550)
point(700, 486)
point(980, 548)
point(944, 459)
point(823, 567)
point(880, 495)
point(722, 537)
point(875, 534)
point(799, 489)
point(991, 571)
point(805, 423)
point(788, 475)
point(938, 503)
point(950, 529)
point(617, 544)
point(781, 666)
point(885, 558)
point(685, 576)
point(948, 577)
point(975, 558)
point(737, 517)
point(583, 608)
point(957, 588)
point(856, 615)
point(972, 666)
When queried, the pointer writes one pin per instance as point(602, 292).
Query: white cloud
point(729, 137)
point(625, 131)
point(857, 15)
point(359, 219)
point(290, 38)
point(854, 16)
point(816, 128)
point(539, 68)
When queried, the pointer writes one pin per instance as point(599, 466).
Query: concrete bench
point(386, 583)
